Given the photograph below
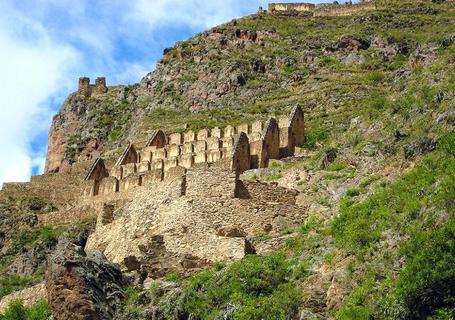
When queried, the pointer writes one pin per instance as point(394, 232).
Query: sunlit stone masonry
point(235, 149)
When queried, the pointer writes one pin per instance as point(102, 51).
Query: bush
point(314, 137)
point(409, 209)
point(353, 313)
point(427, 283)
point(375, 77)
point(17, 311)
point(26, 239)
point(353, 192)
point(257, 286)
point(395, 206)
point(132, 307)
point(11, 283)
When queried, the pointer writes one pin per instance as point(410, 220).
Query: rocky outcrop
point(81, 286)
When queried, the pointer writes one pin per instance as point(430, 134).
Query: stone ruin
point(87, 90)
point(234, 149)
point(323, 9)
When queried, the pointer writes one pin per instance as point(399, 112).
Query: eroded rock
point(81, 286)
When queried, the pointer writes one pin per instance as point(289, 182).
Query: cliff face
point(364, 226)
point(249, 68)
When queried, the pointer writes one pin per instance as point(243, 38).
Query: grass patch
point(257, 286)
point(375, 77)
point(11, 283)
point(315, 138)
point(25, 239)
point(17, 311)
point(410, 209)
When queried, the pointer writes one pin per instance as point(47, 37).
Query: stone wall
point(328, 10)
point(291, 6)
point(324, 9)
point(59, 188)
point(210, 181)
point(213, 219)
point(265, 192)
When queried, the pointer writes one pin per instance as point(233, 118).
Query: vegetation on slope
point(385, 109)
point(391, 241)
point(17, 311)
point(25, 243)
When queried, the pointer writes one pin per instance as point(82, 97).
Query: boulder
point(81, 286)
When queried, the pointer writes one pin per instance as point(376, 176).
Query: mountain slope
point(376, 174)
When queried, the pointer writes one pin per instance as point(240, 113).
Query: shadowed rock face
point(81, 286)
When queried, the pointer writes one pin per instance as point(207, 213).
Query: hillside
point(359, 224)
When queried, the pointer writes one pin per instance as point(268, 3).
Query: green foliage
point(329, 60)
point(427, 282)
point(10, 283)
point(336, 166)
point(353, 192)
point(374, 105)
point(115, 134)
point(315, 137)
point(132, 306)
point(353, 313)
point(375, 77)
point(396, 206)
point(424, 288)
point(444, 314)
point(17, 311)
point(172, 277)
point(258, 286)
point(369, 180)
point(25, 239)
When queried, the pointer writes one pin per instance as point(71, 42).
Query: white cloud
point(33, 67)
point(191, 13)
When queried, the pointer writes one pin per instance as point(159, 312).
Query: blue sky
point(46, 45)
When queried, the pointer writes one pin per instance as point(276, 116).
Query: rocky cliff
point(362, 228)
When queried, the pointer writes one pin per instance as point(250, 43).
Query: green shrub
point(315, 137)
point(38, 311)
point(427, 282)
point(11, 283)
point(17, 311)
point(353, 192)
point(26, 239)
point(397, 205)
point(132, 307)
point(173, 277)
point(375, 77)
point(115, 134)
point(258, 286)
point(409, 208)
point(369, 180)
point(374, 105)
point(353, 313)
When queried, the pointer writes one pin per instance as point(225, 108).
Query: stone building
point(87, 90)
point(166, 156)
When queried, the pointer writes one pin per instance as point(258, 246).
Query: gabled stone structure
point(96, 173)
point(235, 149)
point(158, 139)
